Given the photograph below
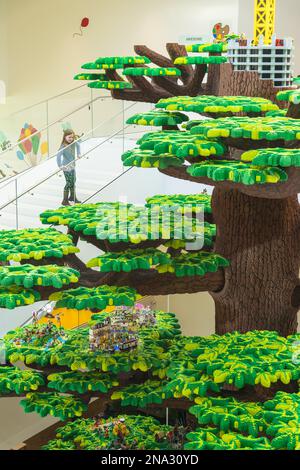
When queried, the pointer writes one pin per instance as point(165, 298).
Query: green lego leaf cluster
point(140, 396)
point(129, 260)
point(123, 60)
point(66, 214)
point(259, 128)
point(140, 433)
point(273, 157)
point(91, 76)
point(217, 104)
point(255, 358)
point(152, 72)
point(110, 84)
point(81, 382)
point(113, 63)
point(180, 201)
point(149, 159)
point(181, 144)
point(237, 172)
point(208, 47)
point(29, 276)
point(53, 404)
point(200, 60)
point(227, 424)
point(278, 113)
point(14, 380)
point(157, 118)
point(75, 353)
point(95, 298)
point(16, 296)
point(18, 245)
point(293, 96)
point(193, 264)
point(124, 223)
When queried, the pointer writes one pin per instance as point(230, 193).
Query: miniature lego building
point(118, 331)
point(272, 62)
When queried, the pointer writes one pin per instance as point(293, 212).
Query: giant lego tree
point(150, 76)
point(240, 384)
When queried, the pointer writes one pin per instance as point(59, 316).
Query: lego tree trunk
point(261, 239)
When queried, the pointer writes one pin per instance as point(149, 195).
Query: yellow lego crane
point(264, 21)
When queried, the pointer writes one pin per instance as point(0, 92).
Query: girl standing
point(69, 150)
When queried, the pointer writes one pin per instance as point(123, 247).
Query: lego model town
point(129, 379)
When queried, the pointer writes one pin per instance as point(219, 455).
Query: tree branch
point(152, 283)
point(279, 190)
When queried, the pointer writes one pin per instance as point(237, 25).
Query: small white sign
point(194, 38)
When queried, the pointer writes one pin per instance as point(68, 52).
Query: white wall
point(3, 44)
point(286, 25)
point(44, 56)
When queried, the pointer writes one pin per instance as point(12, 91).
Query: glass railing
point(112, 115)
point(24, 196)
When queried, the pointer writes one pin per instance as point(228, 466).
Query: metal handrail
point(16, 144)
point(66, 166)
point(91, 131)
point(44, 101)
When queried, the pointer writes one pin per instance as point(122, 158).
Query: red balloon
point(85, 22)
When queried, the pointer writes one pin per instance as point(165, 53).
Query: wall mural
point(84, 24)
point(31, 150)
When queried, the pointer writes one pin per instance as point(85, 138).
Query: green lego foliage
point(95, 298)
point(53, 404)
point(157, 118)
point(149, 159)
point(17, 296)
point(140, 396)
point(180, 143)
point(81, 382)
point(152, 72)
point(29, 276)
point(181, 201)
point(255, 358)
point(91, 76)
point(129, 260)
point(113, 63)
point(66, 214)
point(259, 128)
point(237, 425)
point(199, 60)
point(238, 172)
point(278, 113)
point(273, 157)
point(124, 60)
point(138, 432)
point(71, 348)
point(121, 223)
point(193, 264)
point(110, 85)
point(217, 104)
point(293, 96)
point(18, 245)
point(209, 47)
point(19, 381)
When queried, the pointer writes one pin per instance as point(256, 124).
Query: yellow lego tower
point(264, 21)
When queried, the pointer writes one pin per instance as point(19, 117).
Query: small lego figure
point(35, 318)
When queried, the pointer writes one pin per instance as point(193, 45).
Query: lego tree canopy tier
point(200, 60)
point(109, 85)
point(214, 104)
point(152, 72)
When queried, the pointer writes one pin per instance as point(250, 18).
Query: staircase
point(94, 171)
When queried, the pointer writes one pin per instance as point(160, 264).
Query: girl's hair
point(66, 133)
